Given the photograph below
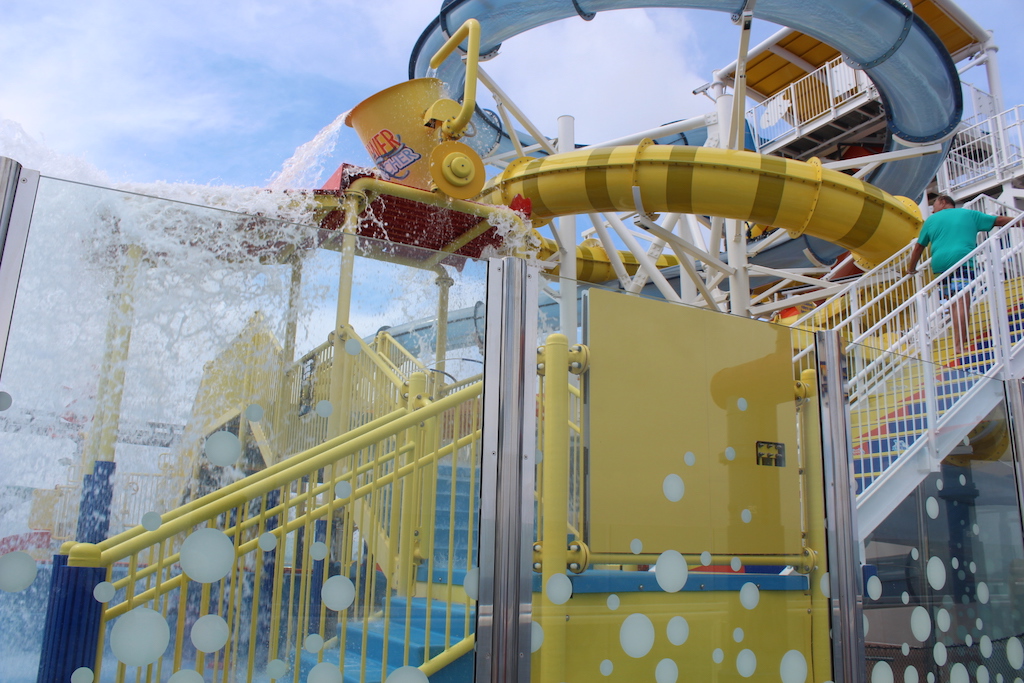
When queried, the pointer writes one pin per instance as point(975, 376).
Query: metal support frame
point(18, 188)
point(504, 609)
point(1014, 393)
point(844, 562)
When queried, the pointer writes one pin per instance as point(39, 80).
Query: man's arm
point(915, 256)
point(1003, 220)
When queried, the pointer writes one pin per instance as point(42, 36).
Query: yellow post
point(444, 283)
point(555, 492)
point(821, 644)
point(100, 441)
point(406, 534)
point(338, 423)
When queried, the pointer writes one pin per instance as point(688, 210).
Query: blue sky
point(223, 93)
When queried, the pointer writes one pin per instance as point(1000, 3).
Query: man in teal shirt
point(952, 234)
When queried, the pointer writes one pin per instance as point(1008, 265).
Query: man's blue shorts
point(958, 279)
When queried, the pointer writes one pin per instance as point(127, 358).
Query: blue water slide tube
point(911, 69)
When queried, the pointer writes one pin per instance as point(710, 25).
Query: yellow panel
point(779, 624)
point(667, 381)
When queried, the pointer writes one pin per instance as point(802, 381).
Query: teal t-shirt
point(952, 234)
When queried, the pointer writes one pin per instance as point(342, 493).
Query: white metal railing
point(903, 375)
point(990, 151)
point(812, 100)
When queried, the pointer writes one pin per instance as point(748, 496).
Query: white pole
point(995, 83)
point(567, 237)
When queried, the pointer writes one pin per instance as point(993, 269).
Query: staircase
point(913, 403)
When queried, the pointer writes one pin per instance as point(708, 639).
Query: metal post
point(504, 610)
point(845, 578)
point(567, 237)
point(444, 283)
point(995, 83)
point(18, 188)
point(1014, 392)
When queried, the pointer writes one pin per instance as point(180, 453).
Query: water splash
point(305, 168)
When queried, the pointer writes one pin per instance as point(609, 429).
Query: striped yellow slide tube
point(801, 197)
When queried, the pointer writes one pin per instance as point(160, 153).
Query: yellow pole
point(821, 644)
point(554, 551)
point(406, 562)
point(103, 433)
point(337, 423)
point(444, 283)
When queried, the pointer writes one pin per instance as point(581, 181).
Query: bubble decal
point(1015, 652)
point(730, 453)
point(931, 506)
point(267, 541)
point(963, 480)
point(313, 642)
point(353, 347)
point(607, 667)
point(636, 635)
point(905, 597)
point(793, 668)
point(613, 602)
point(209, 633)
point(825, 585)
point(874, 588)
point(705, 558)
point(882, 673)
point(5, 401)
point(939, 654)
point(471, 583)
point(151, 521)
point(958, 674)
point(955, 563)
point(276, 669)
point(982, 674)
point(905, 649)
point(338, 592)
point(973, 567)
point(746, 663)
point(920, 623)
point(746, 516)
point(103, 592)
point(318, 550)
point(976, 529)
point(717, 656)
point(936, 572)
point(139, 637)
point(741, 403)
point(17, 571)
point(678, 630)
point(867, 623)
point(749, 595)
point(324, 408)
point(223, 448)
point(671, 571)
point(736, 564)
point(343, 490)
point(690, 459)
point(536, 636)
point(207, 555)
point(939, 484)
point(942, 620)
point(982, 591)
point(673, 488)
point(914, 554)
point(636, 546)
point(666, 672)
point(985, 645)
point(737, 635)
point(910, 675)
point(559, 589)
point(254, 412)
point(186, 676)
point(82, 674)
point(325, 672)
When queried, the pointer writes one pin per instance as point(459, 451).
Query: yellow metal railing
point(359, 511)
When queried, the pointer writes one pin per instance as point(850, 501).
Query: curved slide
point(914, 74)
point(800, 197)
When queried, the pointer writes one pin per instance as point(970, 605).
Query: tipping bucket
point(390, 124)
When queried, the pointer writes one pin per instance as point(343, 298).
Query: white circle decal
point(746, 663)
point(559, 589)
point(209, 633)
point(671, 571)
point(207, 555)
point(636, 635)
point(338, 592)
point(936, 573)
point(17, 571)
point(666, 672)
point(140, 637)
point(749, 595)
point(678, 630)
point(673, 487)
point(793, 668)
point(223, 448)
point(921, 623)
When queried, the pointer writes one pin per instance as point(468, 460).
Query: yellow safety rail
point(281, 522)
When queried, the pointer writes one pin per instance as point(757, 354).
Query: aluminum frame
point(504, 608)
point(844, 561)
point(18, 188)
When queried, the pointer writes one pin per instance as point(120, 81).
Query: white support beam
point(792, 58)
point(859, 162)
point(499, 95)
point(661, 131)
point(656, 276)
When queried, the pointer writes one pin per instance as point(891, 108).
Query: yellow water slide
point(801, 197)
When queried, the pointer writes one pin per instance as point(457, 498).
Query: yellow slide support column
point(555, 494)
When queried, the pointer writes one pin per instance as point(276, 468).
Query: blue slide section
point(914, 74)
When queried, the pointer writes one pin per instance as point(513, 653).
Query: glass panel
point(680, 500)
point(268, 494)
point(941, 528)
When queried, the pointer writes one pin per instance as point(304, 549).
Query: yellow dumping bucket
point(390, 124)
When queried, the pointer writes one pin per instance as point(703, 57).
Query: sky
point(192, 91)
